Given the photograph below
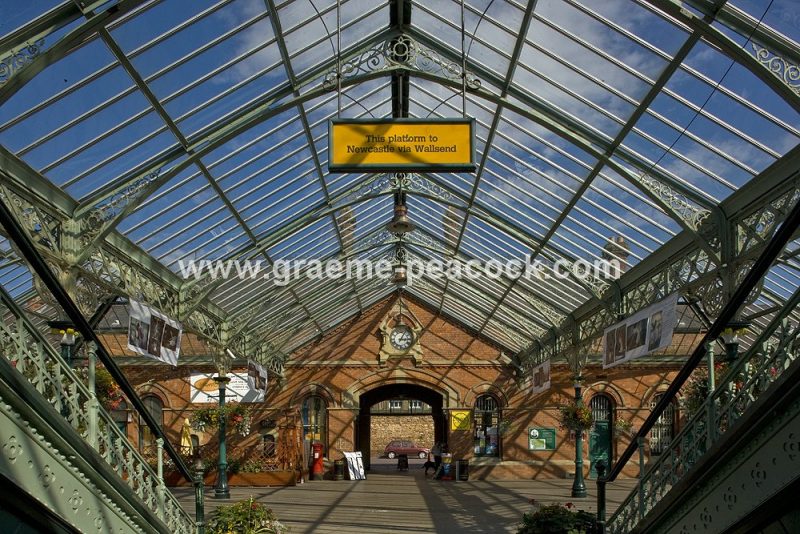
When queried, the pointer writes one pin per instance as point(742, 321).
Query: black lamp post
point(223, 364)
point(199, 501)
point(578, 485)
point(221, 490)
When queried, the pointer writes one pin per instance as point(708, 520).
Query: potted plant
point(557, 519)
point(245, 517)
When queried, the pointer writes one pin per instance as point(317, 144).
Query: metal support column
point(221, 490)
point(578, 485)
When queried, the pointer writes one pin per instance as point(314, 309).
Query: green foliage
point(236, 416)
point(575, 416)
point(258, 465)
point(622, 426)
point(696, 388)
point(234, 465)
point(107, 390)
point(558, 519)
point(245, 517)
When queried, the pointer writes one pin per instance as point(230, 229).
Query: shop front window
point(314, 415)
point(486, 422)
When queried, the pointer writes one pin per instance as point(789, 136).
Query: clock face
point(401, 337)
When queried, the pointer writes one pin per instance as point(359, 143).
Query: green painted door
point(599, 446)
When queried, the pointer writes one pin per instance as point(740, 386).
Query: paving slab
point(408, 501)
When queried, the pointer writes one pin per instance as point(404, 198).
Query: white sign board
point(541, 377)
point(153, 334)
point(355, 467)
point(646, 331)
point(246, 385)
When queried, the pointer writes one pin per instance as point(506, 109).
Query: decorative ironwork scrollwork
point(15, 61)
point(401, 51)
point(44, 229)
point(695, 217)
point(410, 182)
point(758, 227)
point(115, 204)
point(787, 72)
point(547, 311)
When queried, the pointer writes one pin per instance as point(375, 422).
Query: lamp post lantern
point(578, 484)
point(223, 363)
point(68, 334)
point(730, 336)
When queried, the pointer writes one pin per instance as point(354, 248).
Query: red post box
point(317, 468)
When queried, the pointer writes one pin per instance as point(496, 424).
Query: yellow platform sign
point(401, 145)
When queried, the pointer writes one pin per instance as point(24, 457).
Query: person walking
point(436, 451)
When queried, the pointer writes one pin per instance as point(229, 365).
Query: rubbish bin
point(463, 469)
point(402, 462)
point(338, 469)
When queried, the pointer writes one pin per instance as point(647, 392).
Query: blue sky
point(711, 128)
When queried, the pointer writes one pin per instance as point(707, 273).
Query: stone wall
point(384, 428)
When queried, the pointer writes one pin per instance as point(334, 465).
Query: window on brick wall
point(395, 405)
point(155, 407)
point(664, 429)
point(486, 421)
point(314, 412)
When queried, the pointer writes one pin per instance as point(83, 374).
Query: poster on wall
point(245, 385)
point(257, 379)
point(541, 377)
point(646, 331)
point(153, 334)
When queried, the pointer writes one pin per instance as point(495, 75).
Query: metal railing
point(744, 382)
point(35, 358)
point(706, 426)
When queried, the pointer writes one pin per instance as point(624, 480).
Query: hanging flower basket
point(237, 417)
point(574, 416)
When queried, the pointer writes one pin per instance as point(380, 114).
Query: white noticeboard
point(246, 385)
point(355, 467)
point(643, 332)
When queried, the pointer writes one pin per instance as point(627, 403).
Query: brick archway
point(392, 390)
point(450, 396)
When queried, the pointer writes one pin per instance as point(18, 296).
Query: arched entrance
point(393, 391)
point(600, 436)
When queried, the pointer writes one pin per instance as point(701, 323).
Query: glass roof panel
point(562, 142)
point(782, 15)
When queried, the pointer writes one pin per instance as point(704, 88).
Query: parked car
point(403, 446)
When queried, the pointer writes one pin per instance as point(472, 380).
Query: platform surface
point(408, 501)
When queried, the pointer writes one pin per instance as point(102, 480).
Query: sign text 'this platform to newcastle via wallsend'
point(401, 145)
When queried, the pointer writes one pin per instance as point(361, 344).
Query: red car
point(409, 448)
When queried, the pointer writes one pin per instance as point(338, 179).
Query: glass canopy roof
point(199, 131)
